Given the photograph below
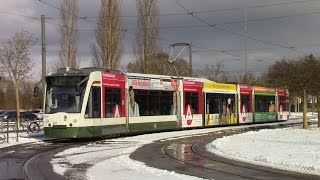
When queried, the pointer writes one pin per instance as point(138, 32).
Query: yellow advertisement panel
point(263, 89)
point(220, 119)
point(220, 86)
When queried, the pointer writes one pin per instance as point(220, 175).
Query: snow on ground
point(111, 159)
point(293, 149)
point(24, 137)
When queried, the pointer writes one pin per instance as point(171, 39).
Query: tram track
point(43, 161)
point(189, 156)
point(193, 155)
point(16, 161)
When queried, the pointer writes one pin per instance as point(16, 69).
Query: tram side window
point(213, 101)
point(93, 109)
point(264, 103)
point(153, 102)
point(220, 103)
point(191, 98)
point(245, 104)
point(112, 100)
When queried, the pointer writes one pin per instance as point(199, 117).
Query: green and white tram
point(79, 103)
point(93, 103)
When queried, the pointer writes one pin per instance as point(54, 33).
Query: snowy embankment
point(294, 149)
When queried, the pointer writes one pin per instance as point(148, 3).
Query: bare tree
point(248, 78)
point(2, 91)
point(109, 36)
point(69, 36)
point(214, 72)
point(299, 76)
point(146, 45)
point(16, 63)
point(160, 65)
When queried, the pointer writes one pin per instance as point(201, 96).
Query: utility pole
point(245, 41)
point(43, 39)
point(190, 60)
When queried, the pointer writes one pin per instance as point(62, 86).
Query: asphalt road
point(30, 160)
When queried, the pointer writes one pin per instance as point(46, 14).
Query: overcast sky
point(276, 29)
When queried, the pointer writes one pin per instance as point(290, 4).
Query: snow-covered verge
point(294, 149)
point(24, 137)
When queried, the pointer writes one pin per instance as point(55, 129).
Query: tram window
point(112, 99)
point(220, 103)
point(264, 103)
point(153, 102)
point(191, 98)
point(283, 103)
point(245, 104)
point(93, 109)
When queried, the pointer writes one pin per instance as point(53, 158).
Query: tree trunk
point(289, 106)
point(313, 105)
point(305, 125)
point(18, 110)
point(318, 109)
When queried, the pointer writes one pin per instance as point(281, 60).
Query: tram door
point(192, 104)
point(245, 104)
point(113, 112)
point(103, 98)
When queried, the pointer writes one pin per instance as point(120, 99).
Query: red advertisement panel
point(193, 86)
point(283, 100)
point(246, 90)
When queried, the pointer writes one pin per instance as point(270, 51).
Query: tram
point(91, 102)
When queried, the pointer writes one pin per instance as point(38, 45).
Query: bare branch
point(69, 36)
point(16, 63)
point(108, 36)
point(146, 46)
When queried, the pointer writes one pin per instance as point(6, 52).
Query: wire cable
point(14, 14)
point(235, 33)
point(210, 11)
point(124, 30)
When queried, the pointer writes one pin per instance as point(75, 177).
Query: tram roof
point(78, 72)
point(157, 76)
point(88, 70)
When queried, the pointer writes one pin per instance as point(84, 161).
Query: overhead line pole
point(190, 60)
point(43, 50)
point(245, 41)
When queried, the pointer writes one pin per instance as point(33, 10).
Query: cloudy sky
point(276, 29)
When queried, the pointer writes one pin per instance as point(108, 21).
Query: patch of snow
point(289, 148)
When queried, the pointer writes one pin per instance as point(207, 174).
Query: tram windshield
point(64, 97)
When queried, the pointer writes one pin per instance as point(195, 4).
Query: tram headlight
point(70, 124)
point(49, 125)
